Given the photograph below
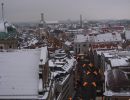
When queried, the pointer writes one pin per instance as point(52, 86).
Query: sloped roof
point(80, 38)
point(19, 74)
point(108, 37)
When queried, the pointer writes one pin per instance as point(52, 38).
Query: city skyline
point(30, 10)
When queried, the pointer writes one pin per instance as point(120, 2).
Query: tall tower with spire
point(2, 5)
point(42, 17)
point(42, 21)
point(42, 27)
point(8, 34)
point(81, 23)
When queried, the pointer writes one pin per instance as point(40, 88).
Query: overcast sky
point(29, 10)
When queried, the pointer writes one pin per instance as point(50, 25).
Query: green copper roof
point(7, 30)
point(4, 35)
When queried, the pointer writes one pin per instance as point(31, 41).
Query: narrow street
point(89, 86)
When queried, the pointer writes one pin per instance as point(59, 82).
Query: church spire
point(42, 17)
point(2, 4)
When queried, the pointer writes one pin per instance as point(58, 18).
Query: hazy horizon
point(30, 10)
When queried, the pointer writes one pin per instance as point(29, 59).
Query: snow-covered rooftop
point(107, 54)
point(121, 94)
point(19, 74)
point(68, 43)
point(108, 37)
point(69, 65)
point(32, 42)
point(112, 53)
point(80, 38)
point(100, 51)
point(2, 27)
point(44, 55)
point(119, 62)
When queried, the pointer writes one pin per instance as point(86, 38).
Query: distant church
point(8, 34)
point(42, 28)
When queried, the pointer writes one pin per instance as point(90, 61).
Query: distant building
point(81, 44)
point(42, 28)
point(8, 36)
point(105, 40)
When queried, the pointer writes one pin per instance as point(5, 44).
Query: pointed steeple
point(42, 22)
point(2, 5)
point(42, 17)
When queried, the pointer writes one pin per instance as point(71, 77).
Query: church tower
point(42, 21)
point(8, 34)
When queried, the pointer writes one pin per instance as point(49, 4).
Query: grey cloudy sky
point(29, 10)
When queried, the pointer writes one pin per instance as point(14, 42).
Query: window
point(1, 47)
point(10, 46)
point(79, 51)
point(76, 50)
point(84, 45)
